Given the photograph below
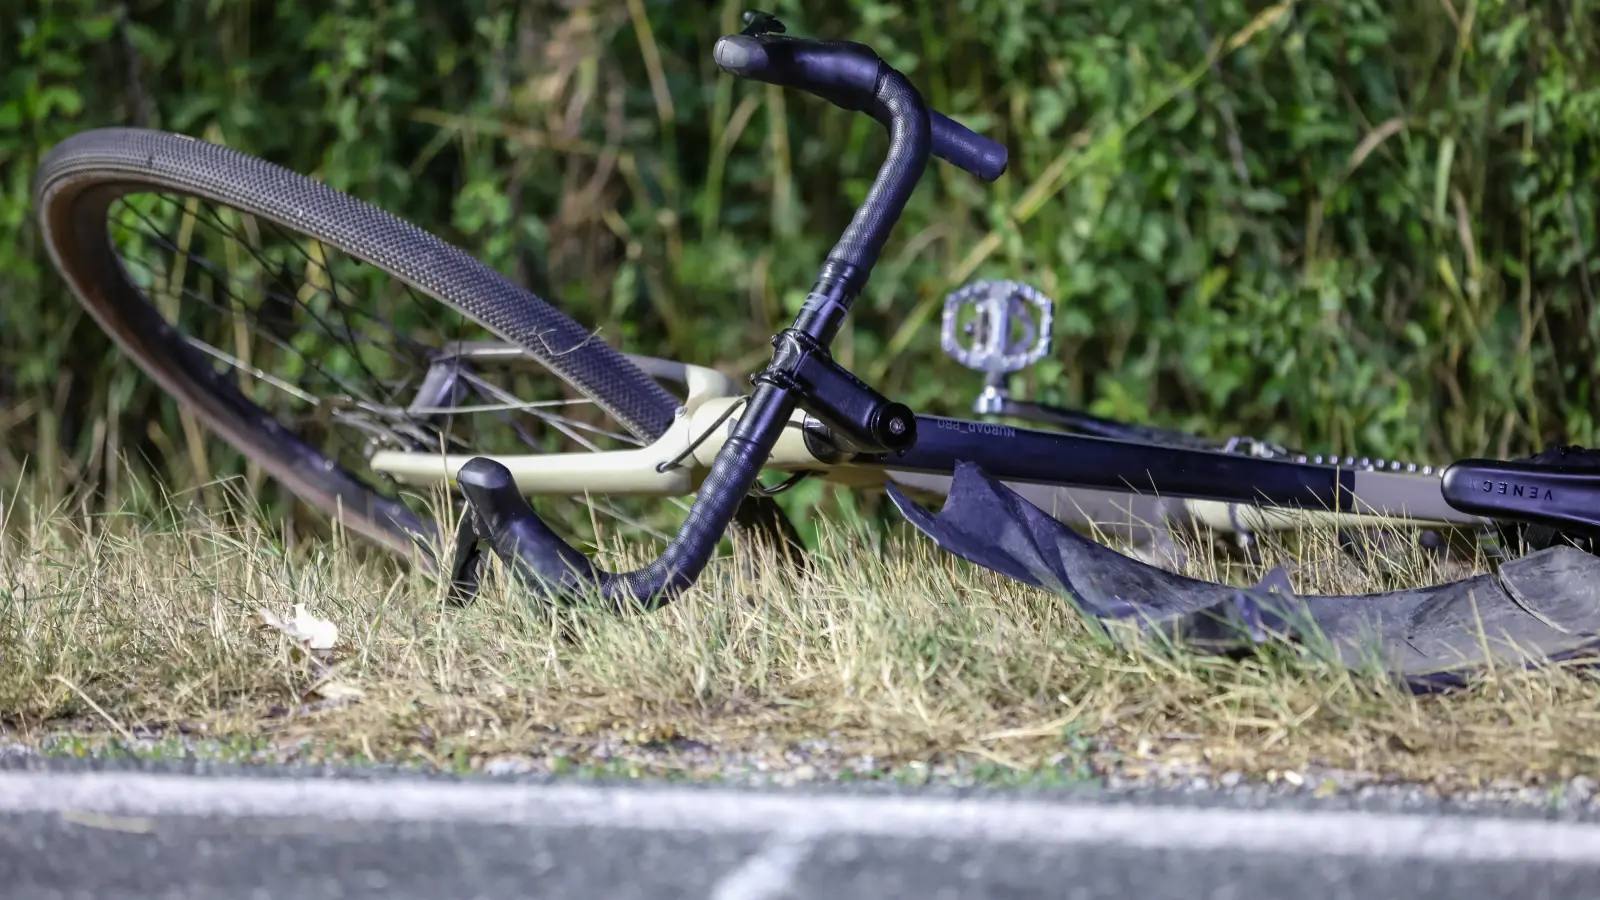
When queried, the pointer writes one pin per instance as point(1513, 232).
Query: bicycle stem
point(800, 373)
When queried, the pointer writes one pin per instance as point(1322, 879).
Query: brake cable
point(758, 489)
point(669, 465)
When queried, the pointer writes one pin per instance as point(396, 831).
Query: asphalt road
point(83, 834)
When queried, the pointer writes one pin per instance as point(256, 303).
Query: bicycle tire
point(83, 175)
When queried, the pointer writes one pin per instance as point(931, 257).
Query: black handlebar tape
point(846, 74)
point(844, 71)
point(897, 103)
point(527, 545)
point(964, 148)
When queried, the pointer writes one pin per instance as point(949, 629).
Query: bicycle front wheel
point(300, 324)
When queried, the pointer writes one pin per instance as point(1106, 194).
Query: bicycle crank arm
point(1562, 497)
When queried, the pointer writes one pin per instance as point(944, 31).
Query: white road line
point(767, 873)
point(708, 811)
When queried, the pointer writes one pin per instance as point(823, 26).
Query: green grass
point(143, 635)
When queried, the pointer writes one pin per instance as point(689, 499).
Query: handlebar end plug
point(739, 54)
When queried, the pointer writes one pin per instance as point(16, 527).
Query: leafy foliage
point(1360, 226)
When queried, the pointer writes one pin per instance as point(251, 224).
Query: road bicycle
point(449, 395)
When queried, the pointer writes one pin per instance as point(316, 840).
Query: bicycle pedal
point(1006, 329)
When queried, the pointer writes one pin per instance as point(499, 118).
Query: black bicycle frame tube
point(1075, 460)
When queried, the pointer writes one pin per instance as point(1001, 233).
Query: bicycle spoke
point(298, 311)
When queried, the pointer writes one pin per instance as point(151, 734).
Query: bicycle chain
point(1359, 463)
point(1254, 447)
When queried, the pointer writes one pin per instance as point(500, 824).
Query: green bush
point(1349, 225)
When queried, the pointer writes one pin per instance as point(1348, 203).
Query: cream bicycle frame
point(1387, 497)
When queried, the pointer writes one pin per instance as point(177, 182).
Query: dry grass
point(889, 653)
